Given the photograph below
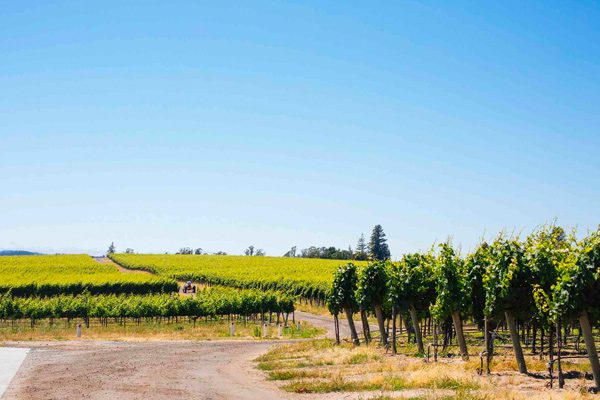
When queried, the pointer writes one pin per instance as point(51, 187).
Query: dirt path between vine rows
point(152, 370)
point(106, 260)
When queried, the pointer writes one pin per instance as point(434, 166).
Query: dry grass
point(311, 308)
point(182, 330)
point(319, 366)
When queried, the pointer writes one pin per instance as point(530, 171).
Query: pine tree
point(378, 248)
point(361, 248)
point(111, 248)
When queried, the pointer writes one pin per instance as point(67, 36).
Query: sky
point(159, 125)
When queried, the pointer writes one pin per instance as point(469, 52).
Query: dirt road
point(147, 370)
point(150, 370)
point(326, 322)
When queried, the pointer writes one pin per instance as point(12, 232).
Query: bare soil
point(106, 260)
point(151, 370)
point(147, 370)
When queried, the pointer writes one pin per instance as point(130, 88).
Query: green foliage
point(547, 253)
point(372, 284)
point(378, 248)
point(578, 287)
point(411, 281)
point(361, 249)
point(326, 253)
point(450, 283)
point(208, 302)
point(73, 274)
point(342, 292)
point(508, 280)
point(476, 264)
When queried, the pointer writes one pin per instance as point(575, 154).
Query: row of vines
point(304, 277)
point(207, 303)
point(73, 274)
point(546, 284)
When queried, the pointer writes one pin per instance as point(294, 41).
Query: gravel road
point(148, 370)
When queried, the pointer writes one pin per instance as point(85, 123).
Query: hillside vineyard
point(73, 274)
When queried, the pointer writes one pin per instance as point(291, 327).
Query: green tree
point(342, 295)
point(577, 293)
point(372, 290)
point(508, 287)
point(335, 305)
point(378, 248)
point(291, 252)
point(361, 249)
point(451, 292)
point(330, 253)
point(111, 248)
point(411, 287)
point(476, 264)
point(546, 251)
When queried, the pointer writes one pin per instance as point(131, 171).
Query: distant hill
point(18, 253)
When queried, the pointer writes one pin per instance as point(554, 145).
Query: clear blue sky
point(159, 125)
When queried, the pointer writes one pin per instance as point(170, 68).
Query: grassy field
point(307, 277)
point(72, 274)
point(320, 367)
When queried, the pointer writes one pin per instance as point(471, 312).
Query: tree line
point(376, 249)
point(546, 285)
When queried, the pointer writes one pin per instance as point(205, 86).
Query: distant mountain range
point(18, 253)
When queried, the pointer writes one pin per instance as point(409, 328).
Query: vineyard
point(76, 286)
point(213, 302)
point(305, 277)
point(73, 274)
point(542, 292)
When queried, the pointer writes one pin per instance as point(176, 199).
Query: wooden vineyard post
point(352, 327)
point(382, 333)
point(514, 336)
point(365, 324)
point(488, 345)
point(561, 380)
point(460, 337)
point(586, 327)
point(435, 342)
point(336, 325)
point(394, 350)
point(415, 320)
